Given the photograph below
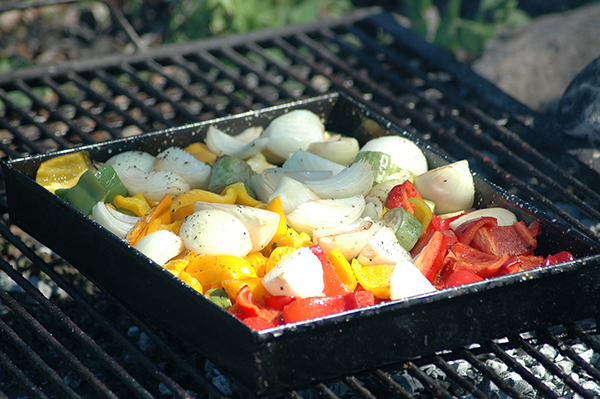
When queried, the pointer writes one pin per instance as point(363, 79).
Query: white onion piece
point(354, 180)
point(124, 160)
point(221, 143)
point(250, 134)
point(258, 163)
point(117, 222)
point(383, 249)
point(406, 281)
point(503, 216)
point(403, 153)
point(174, 159)
point(292, 194)
point(153, 185)
point(325, 213)
point(212, 231)
point(290, 132)
point(341, 150)
point(261, 223)
point(373, 208)
point(299, 275)
point(450, 187)
point(303, 176)
point(161, 246)
point(348, 239)
point(306, 161)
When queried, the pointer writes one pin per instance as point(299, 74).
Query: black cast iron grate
point(82, 343)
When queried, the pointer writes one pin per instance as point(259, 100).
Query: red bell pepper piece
point(481, 263)
point(515, 239)
point(466, 231)
point(333, 283)
point(399, 195)
point(253, 308)
point(312, 307)
point(258, 323)
point(461, 277)
point(276, 301)
point(562, 256)
point(358, 299)
point(431, 258)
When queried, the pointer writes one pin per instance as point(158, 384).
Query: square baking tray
point(295, 355)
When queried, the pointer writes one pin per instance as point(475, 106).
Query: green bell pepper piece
point(86, 193)
point(107, 176)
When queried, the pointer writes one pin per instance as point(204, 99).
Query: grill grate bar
point(488, 373)
point(25, 88)
point(260, 73)
point(354, 383)
point(428, 382)
point(450, 371)
point(522, 371)
point(397, 389)
point(36, 360)
point(127, 68)
point(70, 325)
point(117, 88)
point(84, 85)
point(24, 116)
point(571, 354)
point(111, 329)
point(65, 98)
point(156, 67)
point(193, 69)
point(22, 379)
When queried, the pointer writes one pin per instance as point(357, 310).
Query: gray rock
point(536, 63)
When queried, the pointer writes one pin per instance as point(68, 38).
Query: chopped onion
point(223, 144)
point(250, 134)
point(261, 223)
point(161, 246)
point(404, 153)
point(503, 216)
point(348, 239)
point(373, 208)
point(341, 150)
point(306, 161)
point(354, 180)
point(153, 185)
point(117, 222)
point(139, 159)
point(450, 187)
point(174, 159)
point(212, 231)
point(382, 190)
point(258, 163)
point(406, 281)
point(326, 213)
point(383, 249)
point(292, 193)
point(290, 132)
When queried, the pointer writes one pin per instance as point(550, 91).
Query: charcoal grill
point(81, 342)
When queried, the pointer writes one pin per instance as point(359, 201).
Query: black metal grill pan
point(295, 355)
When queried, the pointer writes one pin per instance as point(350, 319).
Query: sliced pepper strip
point(343, 269)
point(233, 286)
point(150, 222)
point(277, 206)
point(136, 204)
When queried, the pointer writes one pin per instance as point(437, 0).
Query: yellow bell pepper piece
point(63, 171)
point(232, 287)
point(211, 270)
point(151, 221)
point(176, 266)
point(258, 262)
point(277, 206)
point(201, 152)
point(374, 278)
point(136, 204)
point(343, 269)
point(422, 212)
point(277, 256)
point(294, 239)
point(191, 281)
point(242, 196)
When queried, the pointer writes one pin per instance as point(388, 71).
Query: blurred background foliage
point(82, 29)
